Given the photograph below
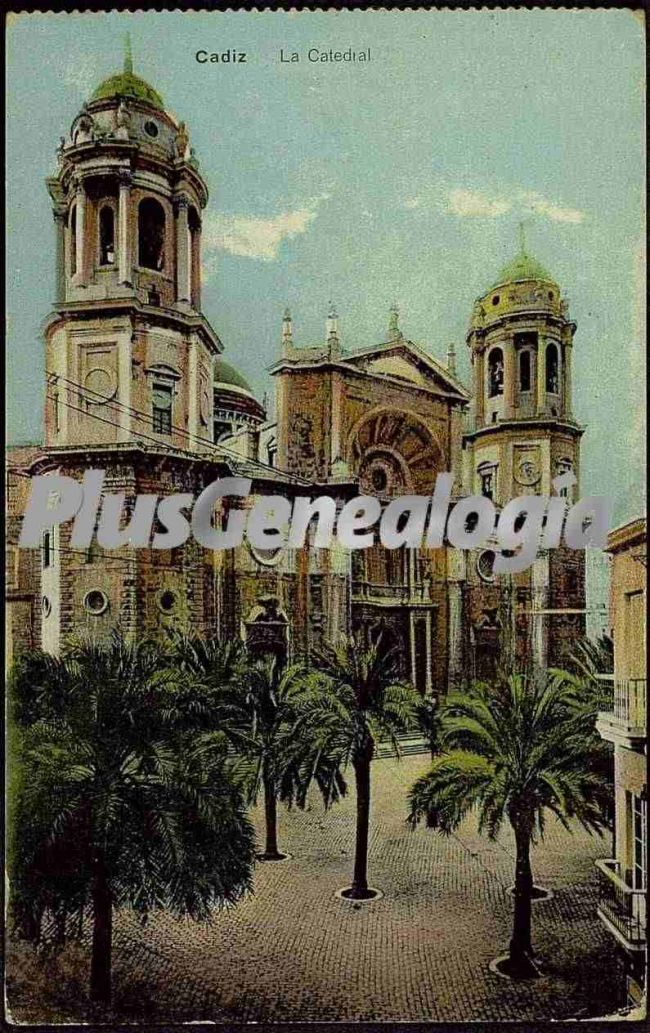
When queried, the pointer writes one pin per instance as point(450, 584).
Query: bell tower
point(524, 434)
point(127, 341)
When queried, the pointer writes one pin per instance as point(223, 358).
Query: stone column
point(59, 228)
point(567, 357)
point(541, 377)
point(182, 251)
point(455, 635)
point(509, 378)
point(479, 380)
point(123, 235)
point(79, 278)
point(196, 267)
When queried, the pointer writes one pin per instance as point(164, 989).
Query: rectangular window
point(487, 482)
point(47, 549)
point(162, 409)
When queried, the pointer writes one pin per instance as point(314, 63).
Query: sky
point(402, 179)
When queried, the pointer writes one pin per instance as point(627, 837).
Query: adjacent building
point(623, 877)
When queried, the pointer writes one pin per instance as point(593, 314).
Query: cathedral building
point(137, 385)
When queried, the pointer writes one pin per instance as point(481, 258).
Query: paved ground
point(294, 952)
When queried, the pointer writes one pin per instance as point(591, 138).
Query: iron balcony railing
point(620, 905)
point(630, 701)
point(368, 590)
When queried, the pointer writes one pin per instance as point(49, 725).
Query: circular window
point(151, 129)
point(496, 299)
point(167, 601)
point(96, 602)
point(485, 565)
point(267, 557)
point(46, 606)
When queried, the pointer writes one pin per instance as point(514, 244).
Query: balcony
point(621, 909)
point(391, 595)
point(624, 721)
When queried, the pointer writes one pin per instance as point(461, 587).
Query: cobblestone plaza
point(292, 951)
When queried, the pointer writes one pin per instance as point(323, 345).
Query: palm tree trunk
point(361, 766)
point(100, 964)
point(521, 948)
point(271, 850)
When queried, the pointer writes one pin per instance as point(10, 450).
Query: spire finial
point(287, 329)
point(522, 237)
point(393, 323)
point(332, 321)
point(128, 55)
point(451, 359)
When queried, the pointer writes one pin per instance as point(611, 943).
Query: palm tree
point(116, 804)
point(514, 751)
point(273, 717)
point(365, 702)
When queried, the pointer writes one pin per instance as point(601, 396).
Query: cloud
point(478, 204)
point(552, 211)
point(253, 237)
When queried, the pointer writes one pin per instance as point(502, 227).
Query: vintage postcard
point(325, 552)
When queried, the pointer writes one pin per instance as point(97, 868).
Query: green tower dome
point(127, 84)
point(523, 267)
point(224, 373)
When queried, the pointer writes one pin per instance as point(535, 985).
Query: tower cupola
point(128, 197)
point(521, 338)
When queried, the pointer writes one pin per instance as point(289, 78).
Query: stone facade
point(623, 906)
point(136, 386)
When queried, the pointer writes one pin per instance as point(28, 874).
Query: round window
point(267, 557)
point(46, 606)
point(151, 129)
point(96, 602)
point(496, 299)
point(167, 601)
point(485, 565)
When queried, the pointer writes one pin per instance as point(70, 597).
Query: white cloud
point(477, 205)
point(552, 211)
point(253, 237)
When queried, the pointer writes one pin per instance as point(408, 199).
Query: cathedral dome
point(227, 375)
point(126, 84)
point(523, 267)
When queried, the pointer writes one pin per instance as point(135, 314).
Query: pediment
point(406, 361)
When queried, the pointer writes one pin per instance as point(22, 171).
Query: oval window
point(96, 602)
point(167, 601)
point(485, 565)
point(151, 129)
point(496, 299)
point(46, 606)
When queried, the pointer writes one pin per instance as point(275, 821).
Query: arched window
point(552, 370)
point(72, 226)
point(194, 258)
point(151, 234)
point(107, 235)
point(524, 371)
point(495, 372)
